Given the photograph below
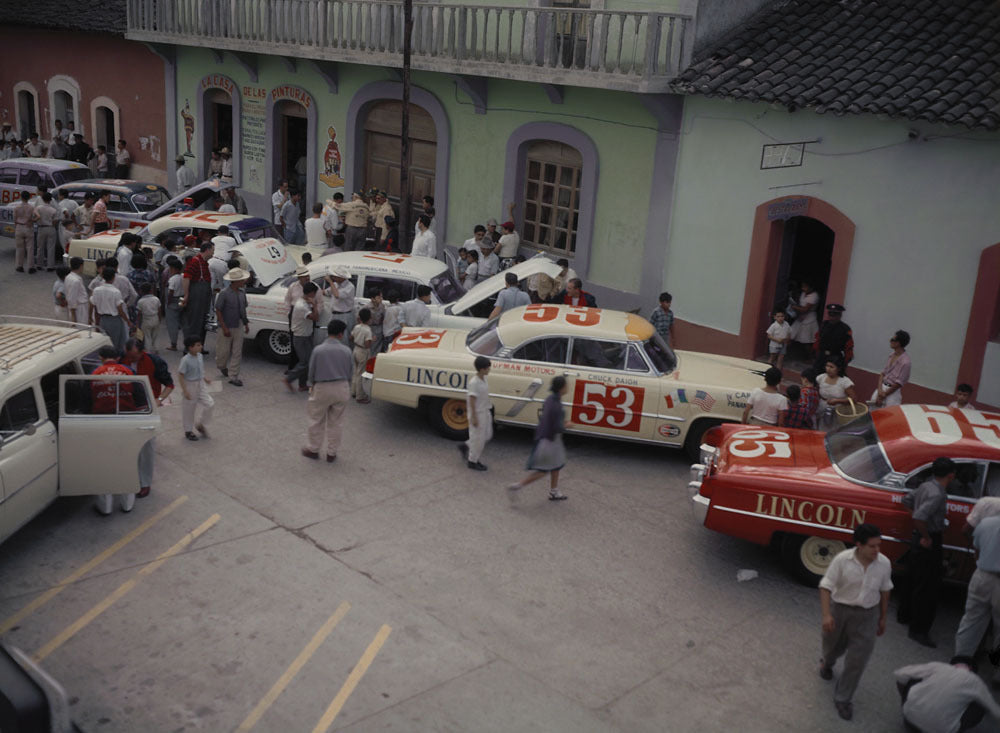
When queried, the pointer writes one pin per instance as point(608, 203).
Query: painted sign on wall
point(254, 138)
point(332, 161)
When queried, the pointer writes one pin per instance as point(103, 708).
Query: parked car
point(804, 491)
point(624, 381)
point(27, 174)
point(56, 439)
point(451, 305)
point(243, 228)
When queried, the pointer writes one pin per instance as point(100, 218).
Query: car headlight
point(708, 454)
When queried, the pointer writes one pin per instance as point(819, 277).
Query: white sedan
point(451, 306)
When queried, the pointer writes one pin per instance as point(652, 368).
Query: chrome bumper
point(699, 507)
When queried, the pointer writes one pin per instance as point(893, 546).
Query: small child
point(764, 404)
point(797, 415)
point(148, 311)
point(963, 397)
point(361, 335)
point(392, 324)
point(778, 334)
point(59, 293)
point(306, 258)
point(191, 374)
point(172, 310)
point(471, 270)
point(462, 262)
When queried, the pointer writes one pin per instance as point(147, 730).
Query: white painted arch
point(113, 106)
point(24, 86)
point(63, 83)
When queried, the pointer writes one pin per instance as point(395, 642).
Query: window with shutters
point(551, 202)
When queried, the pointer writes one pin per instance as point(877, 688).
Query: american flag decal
point(704, 400)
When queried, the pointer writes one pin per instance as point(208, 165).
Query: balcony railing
point(630, 50)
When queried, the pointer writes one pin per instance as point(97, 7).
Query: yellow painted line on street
point(352, 680)
point(293, 669)
point(12, 621)
point(66, 634)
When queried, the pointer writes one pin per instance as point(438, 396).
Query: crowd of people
point(67, 144)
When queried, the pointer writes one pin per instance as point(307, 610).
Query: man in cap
point(79, 151)
point(231, 314)
point(185, 176)
point(489, 263)
point(341, 296)
point(356, 215)
point(491, 230)
point(834, 339)
point(227, 165)
point(381, 209)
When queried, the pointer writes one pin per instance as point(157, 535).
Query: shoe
point(190, 436)
point(289, 385)
point(331, 459)
point(844, 709)
point(143, 493)
point(825, 672)
point(100, 513)
point(923, 640)
point(31, 270)
point(303, 389)
point(363, 400)
point(224, 371)
point(201, 429)
point(310, 454)
point(18, 269)
point(236, 382)
point(554, 496)
point(476, 465)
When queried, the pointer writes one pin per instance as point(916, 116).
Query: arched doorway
point(792, 236)
point(219, 115)
point(291, 124)
point(27, 113)
point(104, 130)
point(383, 149)
point(63, 109)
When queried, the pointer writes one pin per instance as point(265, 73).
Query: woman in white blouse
point(805, 326)
point(834, 389)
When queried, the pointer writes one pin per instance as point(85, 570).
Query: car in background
point(243, 228)
point(624, 381)
point(451, 306)
point(27, 174)
point(804, 491)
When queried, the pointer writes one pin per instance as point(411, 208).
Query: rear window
point(447, 288)
point(854, 448)
point(70, 174)
point(149, 200)
point(262, 232)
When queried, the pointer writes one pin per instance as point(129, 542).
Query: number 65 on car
point(624, 381)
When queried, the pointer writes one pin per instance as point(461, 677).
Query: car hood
point(268, 258)
point(104, 240)
point(730, 372)
point(790, 454)
point(200, 193)
point(491, 286)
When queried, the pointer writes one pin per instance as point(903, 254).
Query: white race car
point(451, 306)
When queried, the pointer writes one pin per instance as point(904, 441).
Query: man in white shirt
point(489, 263)
point(34, 148)
point(944, 698)
point(108, 310)
point(318, 228)
point(77, 299)
point(506, 248)
point(185, 176)
point(223, 241)
point(425, 243)
point(476, 240)
point(416, 314)
point(125, 252)
point(278, 199)
point(123, 160)
point(341, 296)
point(854, 598)
point(67, 218)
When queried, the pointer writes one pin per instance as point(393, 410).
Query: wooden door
point(383, 148)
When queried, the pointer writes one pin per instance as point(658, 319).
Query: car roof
point(116, 185)
point(518, 325)
point(27, 345)
point(383, 263)
point(197, 219)
point(44, 163)
point(914, 435)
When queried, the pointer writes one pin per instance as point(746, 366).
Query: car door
point(520, 382)
point(28, 458)
point(104, 421)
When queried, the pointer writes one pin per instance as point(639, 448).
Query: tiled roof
point(88, 16)
point(935, 60)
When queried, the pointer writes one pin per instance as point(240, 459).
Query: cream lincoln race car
point(624, 381)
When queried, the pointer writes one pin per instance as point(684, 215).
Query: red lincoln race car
point(805, 491)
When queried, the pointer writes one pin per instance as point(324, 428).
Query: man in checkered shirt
point(663, 319)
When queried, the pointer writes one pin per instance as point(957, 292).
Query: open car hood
point(490, 287)
point(268, 259)
point(200, 192)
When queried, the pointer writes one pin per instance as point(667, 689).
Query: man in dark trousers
point(834, 338)
point(919, 596)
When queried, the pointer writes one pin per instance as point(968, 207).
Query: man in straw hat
point(341, 295)
point(231, 314)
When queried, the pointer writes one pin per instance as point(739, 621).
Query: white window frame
point(113, 106)
point(24, 86)
point(63, 83)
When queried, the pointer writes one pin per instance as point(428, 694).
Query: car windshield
point(150, 199)
point(266, 230)
point(854, 449)
point(447, 288)
point(71, 174)
point(660, 354)
point(485, 340)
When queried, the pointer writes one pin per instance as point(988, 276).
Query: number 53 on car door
point(617, 406)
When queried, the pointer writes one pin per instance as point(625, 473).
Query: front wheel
point(450, 418)
point(692, 443)
point(807, 558)
point(275, 345)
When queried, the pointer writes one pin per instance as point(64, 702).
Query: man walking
point(834, 339)
point(108, 310)
point(983, 599)
point(854, 598)
point(231, 314)
point(918, 601)
point(330, 367)
point(478, 408)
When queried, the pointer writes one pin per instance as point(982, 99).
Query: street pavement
point(395, 590)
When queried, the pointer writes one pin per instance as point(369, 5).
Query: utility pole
point(405, 229)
